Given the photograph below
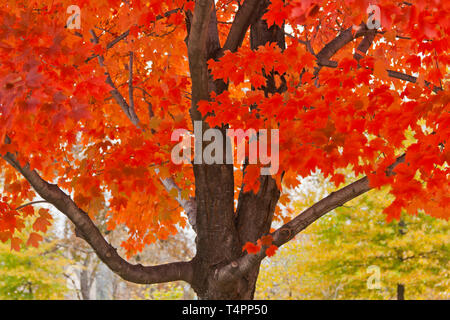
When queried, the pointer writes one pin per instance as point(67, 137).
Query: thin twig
point(31, 203)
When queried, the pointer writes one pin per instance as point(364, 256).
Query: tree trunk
point(221, 232)
point(87, 275)
point(400, 286)
point(400, 291)
point(219, 247)
point(84, 285)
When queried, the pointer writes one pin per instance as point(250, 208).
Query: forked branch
point(285, 233)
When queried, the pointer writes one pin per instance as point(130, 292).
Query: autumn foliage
point(91, 110)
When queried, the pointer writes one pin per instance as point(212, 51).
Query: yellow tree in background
point(354, 253)
point(32, 273)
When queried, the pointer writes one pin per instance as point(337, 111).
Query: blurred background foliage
point(334, 257)
point(33, 273)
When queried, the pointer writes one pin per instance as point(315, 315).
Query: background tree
point(93, 280)
point(332, 259)
point(340, 87)
point(32, 273)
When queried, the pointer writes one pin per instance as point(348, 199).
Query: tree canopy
point(91, 92)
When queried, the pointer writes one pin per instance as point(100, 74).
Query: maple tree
point(87, 115)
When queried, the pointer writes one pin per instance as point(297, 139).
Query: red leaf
point(266, 240)
point(15, 244)
point(271, 250)
point(34, 239)
point(98, 49)
point(276, 14)
point(338, 178)
point(257, 81)
point(134, 31)
point(251, 248)
point(189, 6)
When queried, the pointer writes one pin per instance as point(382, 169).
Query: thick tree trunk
point(222, 232)
point(220, 243)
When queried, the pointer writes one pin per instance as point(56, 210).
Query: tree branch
point(285, 233)
point(337, 43)
point(90, 233)
point(115, 92)
point(125, 34)
point(133, 114)
point(241, 23)
point(128, 109)
point(189, 205)
point(323, 57)
point(365, 44)
point(30, 203)
point(254, 212)
point(197, 53)
point(407, 77)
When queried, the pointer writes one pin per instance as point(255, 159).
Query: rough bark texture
point(221, 232)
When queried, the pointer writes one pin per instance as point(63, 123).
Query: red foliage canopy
point(92, 109)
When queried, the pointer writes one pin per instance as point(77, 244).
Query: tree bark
point(221, 232)
point(400, 291)
point(85, 288)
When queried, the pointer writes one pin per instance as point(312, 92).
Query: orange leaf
point(45, 214)
point(271, 250)
point(34, 239)
point(338, 178)
point(379, 69)
point(41, 224)
point(15, 244)
point(28, 211)
point(251, 248)
point(266, 240)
